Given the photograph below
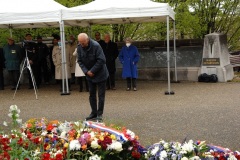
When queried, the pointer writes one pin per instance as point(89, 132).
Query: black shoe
point(91, 116)
point(30, 87)
point(80, 90)
point(1, 88)
point(99, 118)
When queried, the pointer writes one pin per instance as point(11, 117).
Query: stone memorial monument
point(215, 58)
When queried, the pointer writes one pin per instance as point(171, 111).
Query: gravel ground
point(198, 111)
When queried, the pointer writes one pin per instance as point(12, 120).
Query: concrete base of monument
point(224, 73)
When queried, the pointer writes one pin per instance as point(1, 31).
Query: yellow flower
point(113, 137)
point(101, 138)
point(66, 145)
point(48, 147)
point(78, 135)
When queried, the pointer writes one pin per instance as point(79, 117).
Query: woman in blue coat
point(129, 58)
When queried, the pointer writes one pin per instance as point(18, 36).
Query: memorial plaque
point(211, 62)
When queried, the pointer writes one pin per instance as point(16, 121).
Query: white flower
point(5, 123)
point(13, 108)
point(174, 157)
point(195, 158)
point(36, 153)
point(132, 134)
point(166, 145)
point(19, 121)
point(155, 150)
point(163, 154)
point(184, 158)
point(117, 146)
point(10, 115)
point(94, 144)
point(44, 133)
point(75, 145)
point(232, 157)
point(94, 157)
point(188, 147)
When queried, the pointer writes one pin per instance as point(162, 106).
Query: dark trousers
point(60, 83)
point(43, 71)
point(80, 82)
point(111, 80)
point(14, 77)
point(1, 79)
point(93, 87)
point(36, 74)
point(131, 82)
point(72, 78)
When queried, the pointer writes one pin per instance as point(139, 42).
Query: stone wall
point(153, 60)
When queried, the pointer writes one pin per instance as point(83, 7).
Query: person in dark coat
point(98, 39)
point(1, 69)
point(92, 61)
point(30, 47)
point(110, 50)
point(12, 55)
point(129, 58)
point(43, 53)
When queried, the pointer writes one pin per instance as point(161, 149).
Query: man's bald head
point(83, 39)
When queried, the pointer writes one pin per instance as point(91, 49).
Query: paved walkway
point(200, 111)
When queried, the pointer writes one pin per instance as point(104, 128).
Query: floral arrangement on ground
point(40, 139)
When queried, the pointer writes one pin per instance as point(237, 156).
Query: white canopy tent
point(123, 11)
point(34, 14)
point(30, 13)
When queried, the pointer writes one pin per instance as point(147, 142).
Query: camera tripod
point(26, 64)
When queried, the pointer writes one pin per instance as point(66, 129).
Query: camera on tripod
point(28, 45)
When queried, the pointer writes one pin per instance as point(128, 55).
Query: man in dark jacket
point(30, 47)
point(93, 63)
point(1, 69)
point(12, 55)
point(43, 53)
point(98, 39)
point(110, 50)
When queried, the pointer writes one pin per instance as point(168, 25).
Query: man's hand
point(90, 74)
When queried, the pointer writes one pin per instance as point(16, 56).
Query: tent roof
point(30, 13)
point(117, 12)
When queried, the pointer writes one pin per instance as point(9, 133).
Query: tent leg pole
point(169, 92)
point(175, 51)
point(64, 64)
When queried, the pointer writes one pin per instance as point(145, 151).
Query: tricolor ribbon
point(120, 136)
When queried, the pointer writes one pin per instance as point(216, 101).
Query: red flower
point(59, 156)
point(107, 140)
point(20, 141)
point(50, 127)
point(46, 156)
point(136, 155)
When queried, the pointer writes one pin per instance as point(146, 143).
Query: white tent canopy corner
point(34, 14)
